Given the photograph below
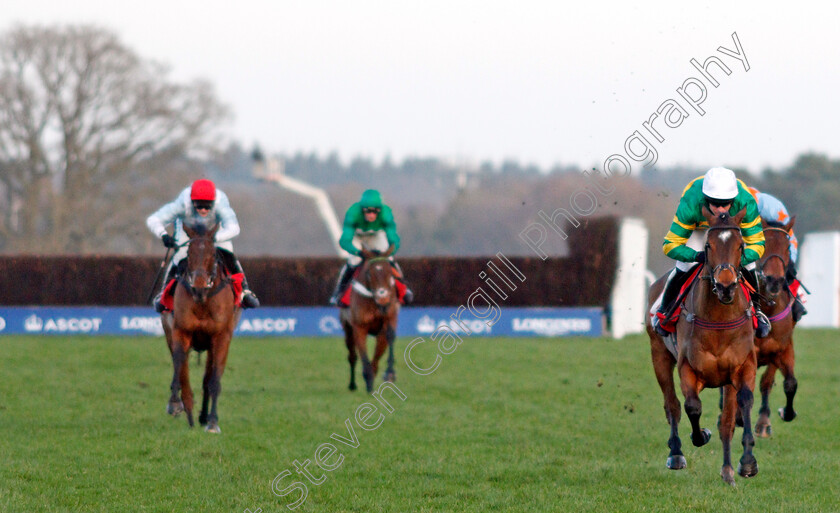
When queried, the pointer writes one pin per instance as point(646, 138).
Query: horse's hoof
point(352, 387)
point(728, 475)
point(763, 431)
point(705, 436)
point(213, 428)
point(676, 462)
point(175, 408)
point(390, 377)
point(787, 418)
point(748, 469)
point(202, 419)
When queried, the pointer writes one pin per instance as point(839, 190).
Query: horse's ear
point(366, 254)
point(764, 224)
point(707, 214)
point(189, 231)
point(388, 253)
point(213, 230)
point(740, 215)
point(789, 225)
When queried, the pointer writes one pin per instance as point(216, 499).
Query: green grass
point(571, 424)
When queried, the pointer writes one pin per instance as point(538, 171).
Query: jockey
point(772, 210)
point(369, 223)
point(199, 203)
point(721, 192)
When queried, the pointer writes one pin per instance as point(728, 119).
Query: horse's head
point(724, 249)
point(773, 265)
point(379, 279)
point(202, 264)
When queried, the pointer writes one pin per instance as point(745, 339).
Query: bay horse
point(776, 350)
point(374, 309)
point(715, 348)
point(203, 319)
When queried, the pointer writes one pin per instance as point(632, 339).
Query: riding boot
point(249, 299)
point(171, 275)
point(344, 278)
point(672, 289)
point(763, 328)
point(798, 309)
point(408, 297)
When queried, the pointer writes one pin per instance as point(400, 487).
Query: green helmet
point(371, 199)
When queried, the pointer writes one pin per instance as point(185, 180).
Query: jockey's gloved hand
point(168, 241)
point(700, 257)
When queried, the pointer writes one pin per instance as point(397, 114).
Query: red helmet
point(203, 190)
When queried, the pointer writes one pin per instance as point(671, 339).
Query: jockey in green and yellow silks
point(369, 223)
point(721, 192)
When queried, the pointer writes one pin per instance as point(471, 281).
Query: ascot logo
point(33, 323)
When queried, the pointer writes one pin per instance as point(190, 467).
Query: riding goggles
point(202, 205)
point(719, 202)
point(371, 210)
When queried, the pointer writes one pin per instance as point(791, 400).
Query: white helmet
point(720, 183)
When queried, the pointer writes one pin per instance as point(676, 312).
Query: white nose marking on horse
point(724, 235)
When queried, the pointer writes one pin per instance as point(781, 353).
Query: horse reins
point(723, 325)
point(784, 313)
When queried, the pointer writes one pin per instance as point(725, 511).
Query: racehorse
point(776, 350)
point(715, 348)
point(203, 319)
point(373, 310)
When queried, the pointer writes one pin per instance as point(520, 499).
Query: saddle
point(167, 299)
point(669, 323)
point(344, 302)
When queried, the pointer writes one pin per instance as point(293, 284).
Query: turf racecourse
point(502, 425)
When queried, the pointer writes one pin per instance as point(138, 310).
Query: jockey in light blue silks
point(201, 203)
point(772, 210)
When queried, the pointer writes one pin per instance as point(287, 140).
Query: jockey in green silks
point(721, 192)
point(369, 223)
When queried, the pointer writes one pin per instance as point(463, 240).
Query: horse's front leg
point(748, 466)
point(360, 341)
point(663, 367)
point(763, 428)
point(726, 428)
point(786, 361)
point(351, 353)
point(205, 391)
point(218, 356)
point(691, 388)
point(181, 376)
point(381, 346)
point(391, 335)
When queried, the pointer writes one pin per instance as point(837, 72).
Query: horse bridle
point(188, 280)
point(366, 287)
point(726, 265)
point(775, 255)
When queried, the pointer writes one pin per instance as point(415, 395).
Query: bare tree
point(81, 117)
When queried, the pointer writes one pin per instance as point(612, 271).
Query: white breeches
point(374, 241)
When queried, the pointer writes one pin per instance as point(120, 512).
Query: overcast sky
point(539, 82)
